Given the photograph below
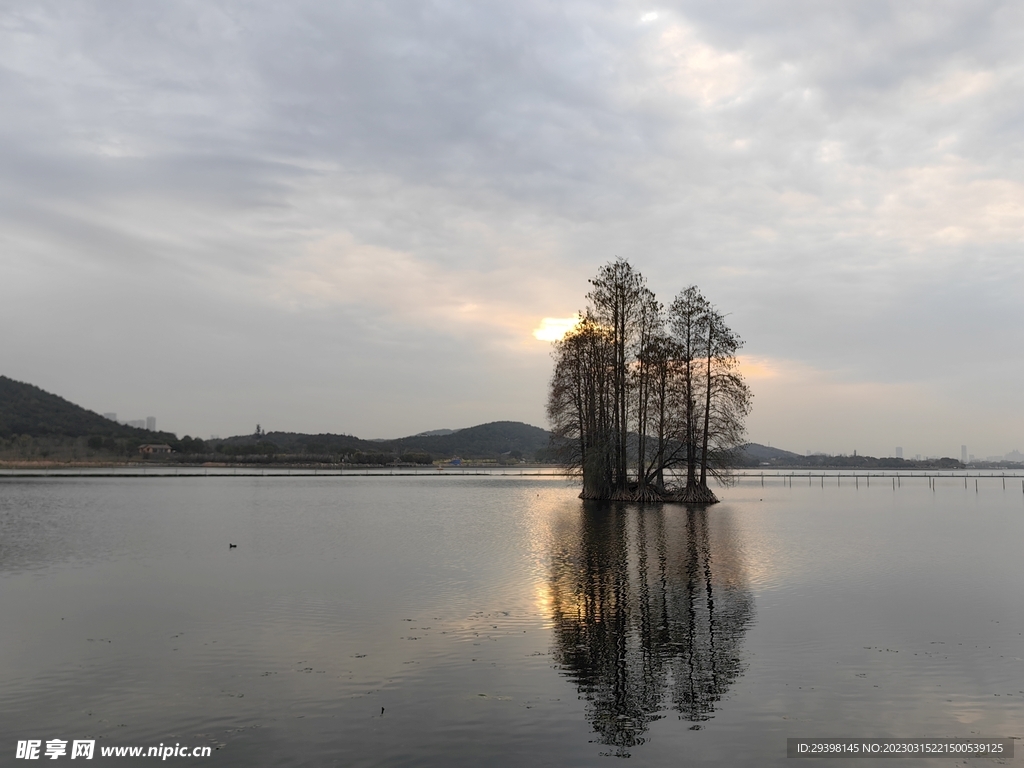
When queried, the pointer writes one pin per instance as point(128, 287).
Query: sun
point(555, 328)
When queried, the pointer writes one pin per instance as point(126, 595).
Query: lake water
point(457, 621)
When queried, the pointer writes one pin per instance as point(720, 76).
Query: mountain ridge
point(28, 410)
point(491, 440)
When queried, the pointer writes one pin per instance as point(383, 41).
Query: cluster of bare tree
point(641, 393)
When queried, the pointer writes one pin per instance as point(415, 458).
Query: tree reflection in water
point(650, 605)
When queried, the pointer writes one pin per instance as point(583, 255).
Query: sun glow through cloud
point(373, 218)
point(554, 328)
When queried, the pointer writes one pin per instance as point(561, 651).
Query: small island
point(640, 393)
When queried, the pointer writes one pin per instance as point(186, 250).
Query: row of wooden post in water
point(897, 480)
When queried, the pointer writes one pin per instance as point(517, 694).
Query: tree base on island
point(691, 494)
point(697, 494)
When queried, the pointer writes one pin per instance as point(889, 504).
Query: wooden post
point(894, 483)
point(975, 485)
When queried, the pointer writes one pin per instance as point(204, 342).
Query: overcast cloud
point(350, 217)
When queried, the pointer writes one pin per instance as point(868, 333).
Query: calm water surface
point(502, 620)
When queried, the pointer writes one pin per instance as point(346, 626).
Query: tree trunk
point(707, 407)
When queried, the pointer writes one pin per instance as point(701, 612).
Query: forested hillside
point(26, 409)
point(485, 440)
point(511, 440)
point(37, 423)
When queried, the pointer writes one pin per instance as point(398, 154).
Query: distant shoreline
point(14, 469)
point(422, 468)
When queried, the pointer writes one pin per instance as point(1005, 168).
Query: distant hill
point(754, 454)
point(482, 441)
point(486, 441)
point(26, 409)
point(494, 440)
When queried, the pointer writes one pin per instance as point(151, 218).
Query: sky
point(352, 217)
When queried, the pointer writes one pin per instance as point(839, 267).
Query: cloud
point(845, 180)
point(339, 271)
point(689, 67)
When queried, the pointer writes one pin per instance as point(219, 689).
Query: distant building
point(111, 416)
point(137, 423)
point(151, 423)
point(899, 452)
point(149, 450)
point(963, 454)
point(1015, 455)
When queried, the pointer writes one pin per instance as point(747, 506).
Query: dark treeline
point(857, 462)
point(84, 448)
point(189, 450)
point(641, 393)
point(300, 459)
point(506, 442)
point(491, 440)
point(268, 452)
